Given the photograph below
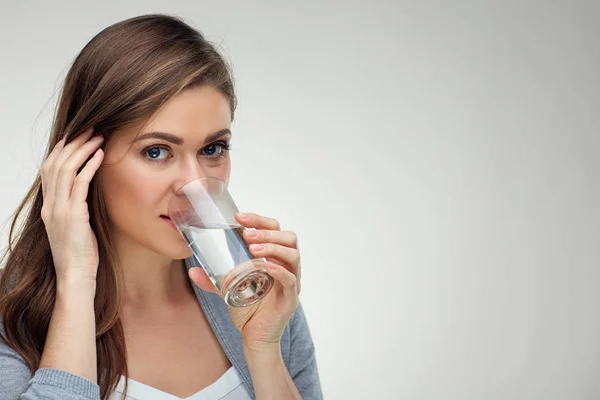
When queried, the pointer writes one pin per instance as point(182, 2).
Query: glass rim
point(178, 191)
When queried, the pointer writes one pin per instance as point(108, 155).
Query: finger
point(74, 144)
point(201, 279)
point(81, 183)
point(298, 274)
point(69, 148)
point(290, 257)
point(64, 153)
point(284, 238)
point(55, 151)
point(68, 170)
point(252, 220)
point(286, 279)
point(47, 165)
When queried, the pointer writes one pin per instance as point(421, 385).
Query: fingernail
point(257, 247)
point(97, 138)
point(250, 232)
point(242, 216)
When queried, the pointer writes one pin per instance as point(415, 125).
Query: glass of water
point(204, 213)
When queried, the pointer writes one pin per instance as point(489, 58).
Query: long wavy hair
point(121, 77)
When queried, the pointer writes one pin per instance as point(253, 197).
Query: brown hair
point(121, 77)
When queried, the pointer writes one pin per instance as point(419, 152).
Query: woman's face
point(142, 169)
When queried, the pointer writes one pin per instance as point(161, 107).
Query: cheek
point(227, 172)
point(222, 171)
point(133, 196)
point(135, 201)
point(127, 190)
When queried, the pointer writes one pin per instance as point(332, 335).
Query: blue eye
point(215, 151)
point(212, 153)
point(210, 150)
point(154, 153)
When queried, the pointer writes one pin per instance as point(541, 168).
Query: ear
point(199, 277)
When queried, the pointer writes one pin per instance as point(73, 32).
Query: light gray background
point(438, 160)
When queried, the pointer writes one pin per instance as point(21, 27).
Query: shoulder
point(15, 371)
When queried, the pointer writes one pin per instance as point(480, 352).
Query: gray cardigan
point(297, 350)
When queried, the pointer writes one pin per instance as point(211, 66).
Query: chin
point(184, 254)
point(178, 251)
point(171, 246)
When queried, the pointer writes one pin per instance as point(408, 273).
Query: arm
point(69, 357)
point(71, 340)
point(271, 378)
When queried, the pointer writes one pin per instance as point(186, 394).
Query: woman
point(99, 295)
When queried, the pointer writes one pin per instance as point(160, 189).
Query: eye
point(156, 153)
point(161, 154)
point(216, 150)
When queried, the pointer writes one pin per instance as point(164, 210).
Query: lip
point(181, 214)
point(168, 221)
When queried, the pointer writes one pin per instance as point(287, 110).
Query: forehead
point(193, 114)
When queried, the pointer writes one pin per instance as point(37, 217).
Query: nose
point(189, 171)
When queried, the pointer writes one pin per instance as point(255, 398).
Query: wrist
point(261, 353)
point(260, 347)
point(73, 285)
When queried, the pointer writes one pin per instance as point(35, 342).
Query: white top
point(227, 387)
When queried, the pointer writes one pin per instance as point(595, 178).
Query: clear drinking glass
point(204, 213)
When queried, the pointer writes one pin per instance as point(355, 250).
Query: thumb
point(201, 279)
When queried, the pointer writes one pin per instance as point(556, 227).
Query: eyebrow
point(169, 137)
